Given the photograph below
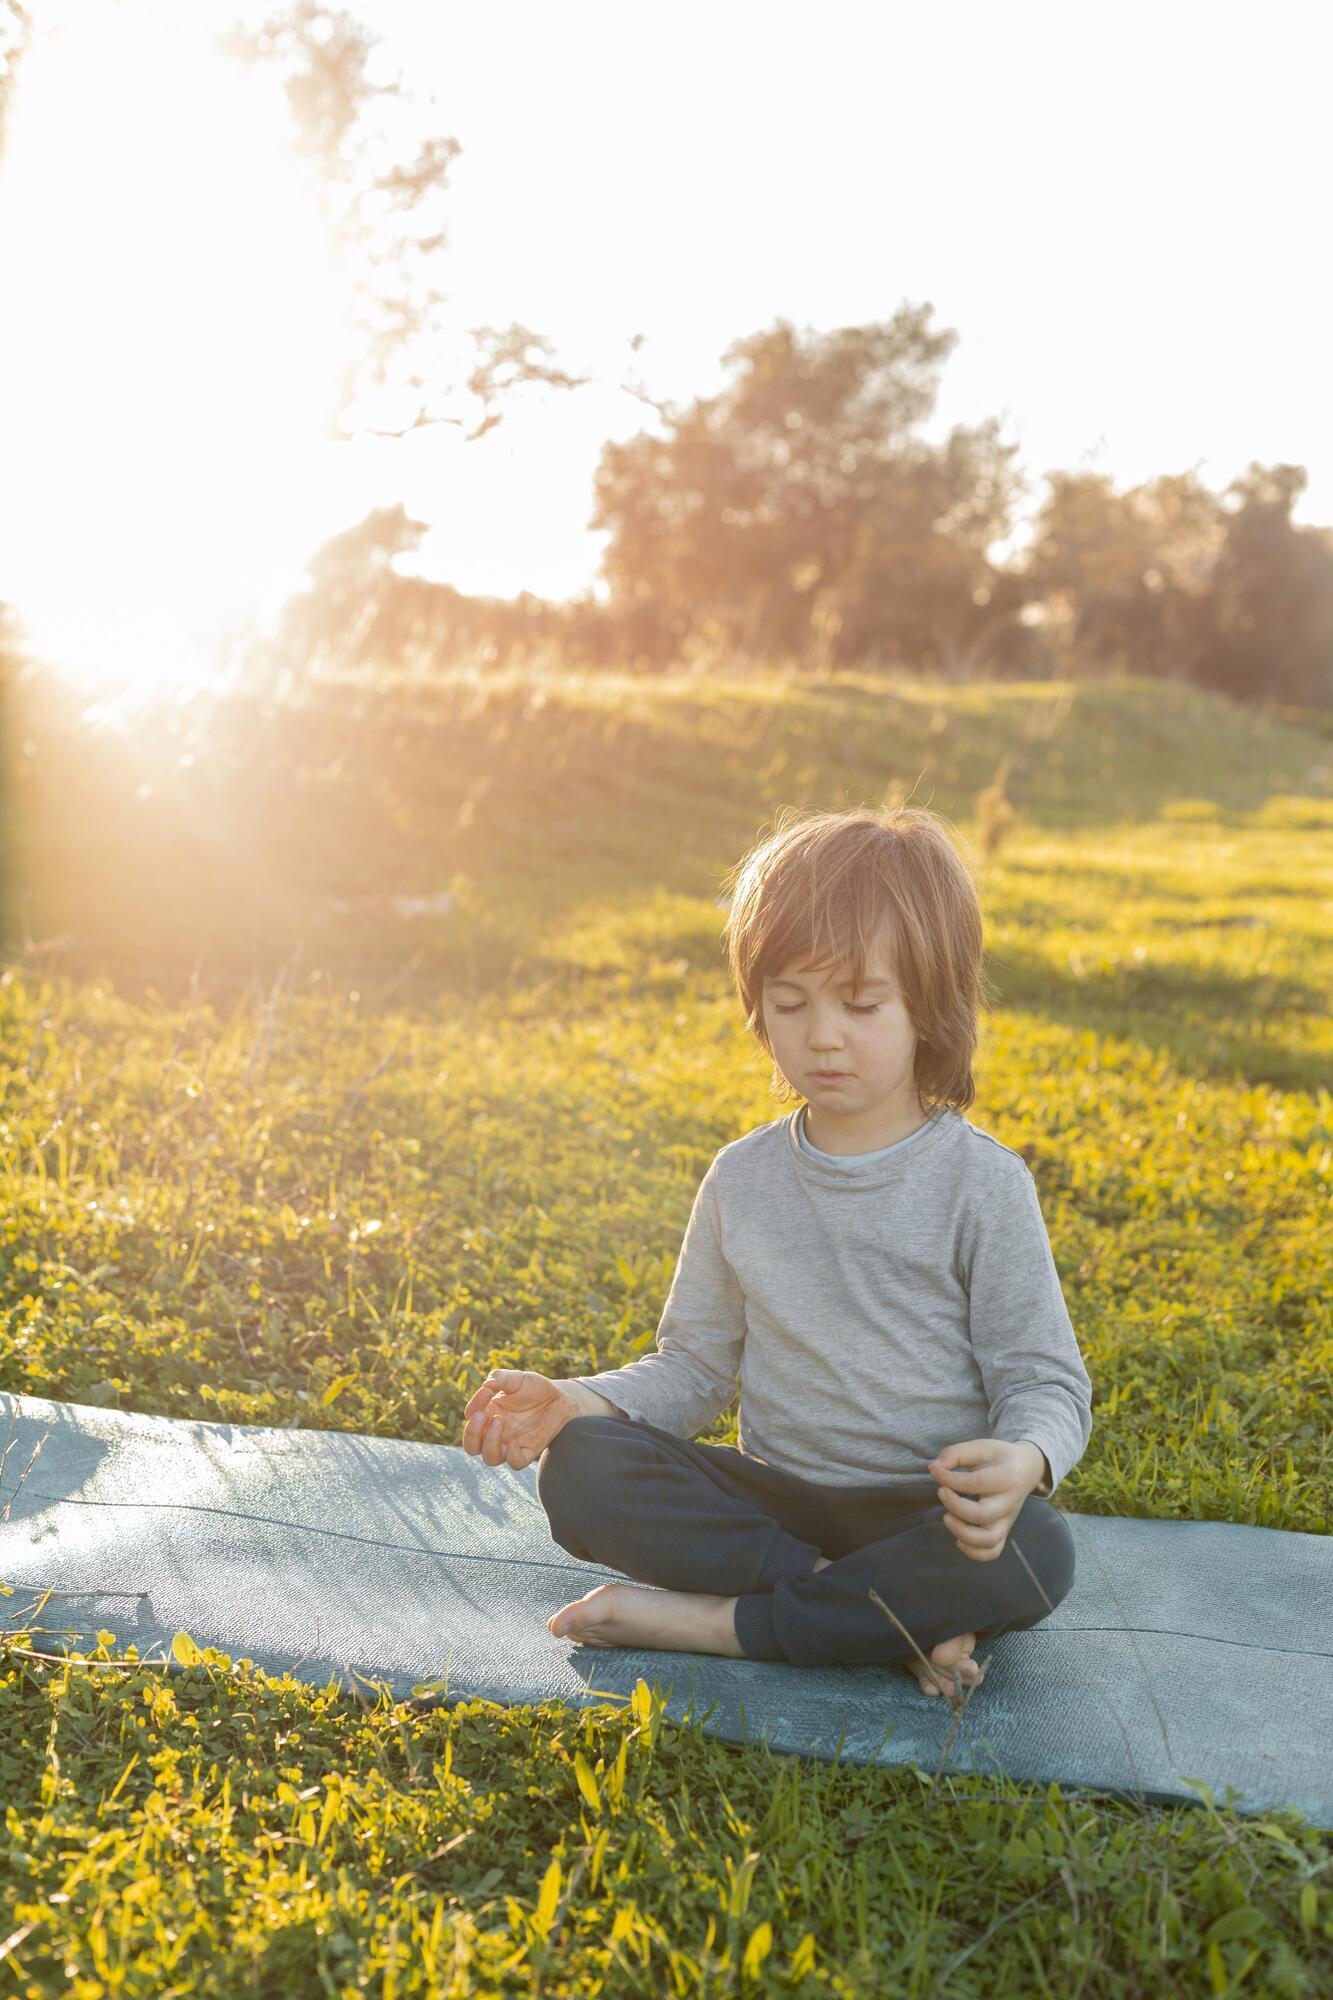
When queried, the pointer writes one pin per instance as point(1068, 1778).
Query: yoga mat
point(1189, 1657)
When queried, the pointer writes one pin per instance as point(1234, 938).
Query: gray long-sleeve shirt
point(872, 1309)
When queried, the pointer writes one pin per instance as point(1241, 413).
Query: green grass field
point(275, 1154)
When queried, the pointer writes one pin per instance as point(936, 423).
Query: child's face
point(814, 1025)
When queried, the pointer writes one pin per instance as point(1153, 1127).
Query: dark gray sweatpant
point(704, 1517)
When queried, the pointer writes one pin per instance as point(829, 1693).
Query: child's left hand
point(1002, 1474)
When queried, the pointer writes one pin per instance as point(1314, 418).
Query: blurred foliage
point(381, 178)
point(796, 516)
point(15, 34)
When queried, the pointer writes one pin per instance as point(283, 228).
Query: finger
point(971, 1478)
point(983, 1535)
point(491, 1418)
point(971, 1458)
point(496, 1383)
point(981, 1548)
point(973, 1451)
point(975, 1534)
point(474, 1431)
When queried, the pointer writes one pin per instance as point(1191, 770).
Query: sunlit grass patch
point(229, 1831)
point(338, 1202)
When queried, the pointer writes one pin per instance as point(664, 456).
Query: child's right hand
point(513, 1416)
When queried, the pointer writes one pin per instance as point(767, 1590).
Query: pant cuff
point(786, 1556)
point(754, 1626)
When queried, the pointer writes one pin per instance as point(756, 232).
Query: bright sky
point(1117, 209)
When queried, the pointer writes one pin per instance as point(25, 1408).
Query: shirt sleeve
point(694, 1373)
point(1036, 1384)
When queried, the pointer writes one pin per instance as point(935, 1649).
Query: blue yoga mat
point(1191, 1659)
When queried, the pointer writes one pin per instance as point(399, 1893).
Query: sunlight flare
point(172, 344)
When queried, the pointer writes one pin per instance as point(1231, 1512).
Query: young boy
point(873, 1270)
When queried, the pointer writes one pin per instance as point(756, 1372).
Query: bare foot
point(671, 1621)
point(949, 1653)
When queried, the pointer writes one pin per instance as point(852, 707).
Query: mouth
point(830, 1075)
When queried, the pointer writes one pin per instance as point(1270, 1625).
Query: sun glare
point(170, 337)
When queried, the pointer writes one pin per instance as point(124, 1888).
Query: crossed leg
point(695, 1520)
point(621, 1614)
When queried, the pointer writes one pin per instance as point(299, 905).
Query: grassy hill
point(277, 1148)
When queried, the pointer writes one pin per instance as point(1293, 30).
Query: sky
point(1117, 209)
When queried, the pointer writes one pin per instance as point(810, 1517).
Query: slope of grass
point(300, 1203)
point(218, 836)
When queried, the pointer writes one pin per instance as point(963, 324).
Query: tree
point(15, 33)
point(795, 509)
point(342, 619)
point(1126, 578)
point(1273, 594)
point(1167, 579)
point(360, 612)
point(381, 183)
point(922, 585)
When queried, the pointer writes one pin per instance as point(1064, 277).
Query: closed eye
point(798, 1004)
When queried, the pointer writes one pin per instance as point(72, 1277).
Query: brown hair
point(819, 888)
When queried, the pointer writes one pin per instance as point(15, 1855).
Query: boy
point(874, 1271)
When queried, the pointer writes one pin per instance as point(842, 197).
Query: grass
point(266, 1161)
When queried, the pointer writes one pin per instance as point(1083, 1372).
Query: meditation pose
point(871, 1271)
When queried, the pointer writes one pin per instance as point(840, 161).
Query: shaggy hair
point(818, 891)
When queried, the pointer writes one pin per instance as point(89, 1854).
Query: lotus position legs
point(686, 1621)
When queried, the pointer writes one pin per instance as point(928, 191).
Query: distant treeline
point(798, 516)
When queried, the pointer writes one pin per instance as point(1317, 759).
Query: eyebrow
point(843, 983)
